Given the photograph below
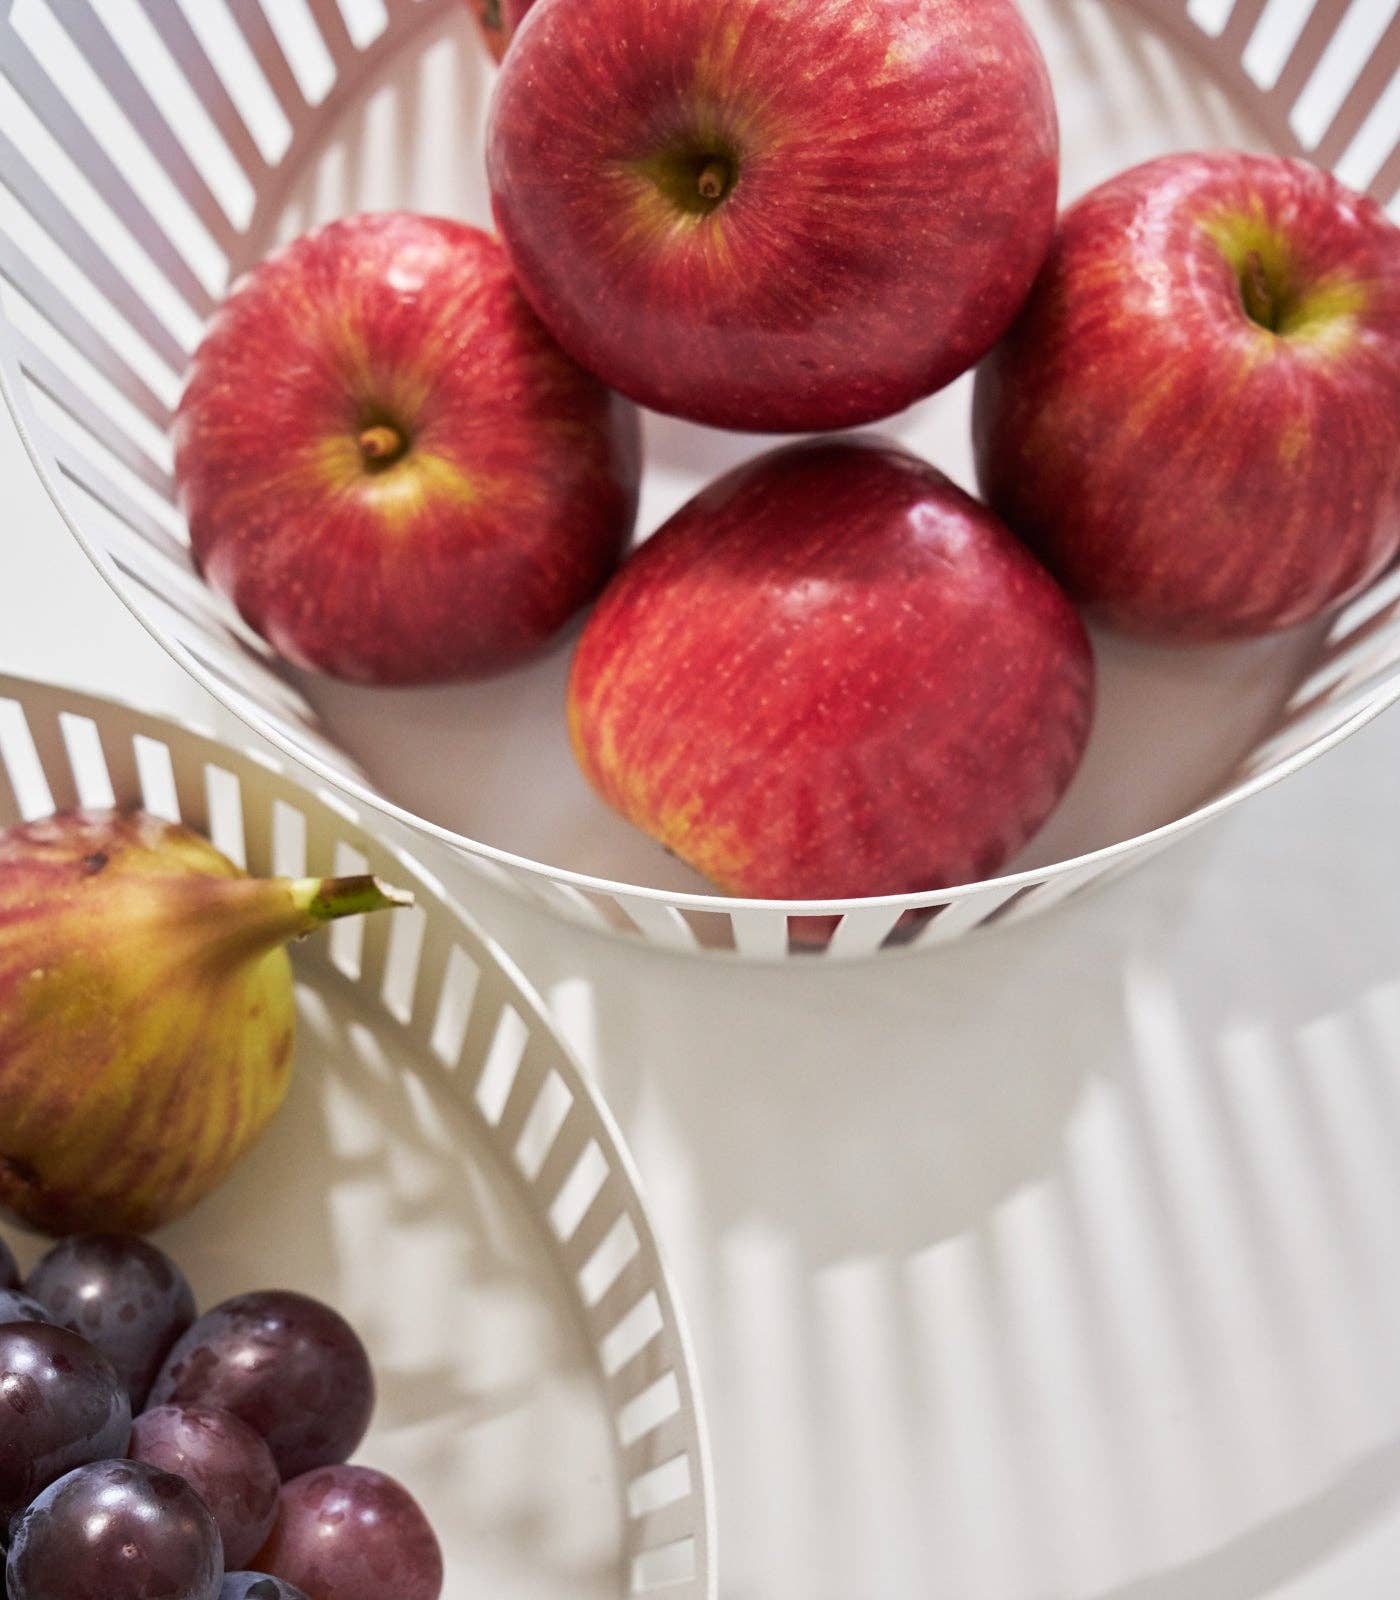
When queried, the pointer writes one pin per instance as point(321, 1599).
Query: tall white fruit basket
point(150, 150)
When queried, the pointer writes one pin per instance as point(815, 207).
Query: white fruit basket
point(150, 150)
point(445, 1175)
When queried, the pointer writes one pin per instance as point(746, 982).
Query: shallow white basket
point(443, 1173)
point(151, 149)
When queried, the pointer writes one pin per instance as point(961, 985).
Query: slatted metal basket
point(442, 1126)
point(150, 150)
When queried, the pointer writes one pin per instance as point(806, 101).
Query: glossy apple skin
point(831, 675)
point(1183, 469)
point(894, 167)
point(512, 504)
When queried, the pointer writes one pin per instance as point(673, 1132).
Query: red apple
point(1196, 422)
point(775, 215)
point(387, 463)
point(833, 674)
point(498, 20)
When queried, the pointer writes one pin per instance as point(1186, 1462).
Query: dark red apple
point(387, 463)
point(775, 215)
point(1196, 422)
point(833, 674)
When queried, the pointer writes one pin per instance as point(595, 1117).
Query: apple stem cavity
point(714, 179)
point(1257, 292)
point(381, 446)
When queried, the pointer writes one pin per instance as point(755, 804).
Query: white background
point(1057, 1267)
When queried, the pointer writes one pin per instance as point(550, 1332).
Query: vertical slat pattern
point(1371, 82)
point(102, 53)
point(175, 33)
point(81, 146)
point(74, 240)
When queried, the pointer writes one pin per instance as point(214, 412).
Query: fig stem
point(713, 180)
point(326, 899)
point(1257, 292)
point(381, 445)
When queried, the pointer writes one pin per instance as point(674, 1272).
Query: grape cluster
point(230, 1483)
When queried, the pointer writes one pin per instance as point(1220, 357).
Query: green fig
point(146, 1014)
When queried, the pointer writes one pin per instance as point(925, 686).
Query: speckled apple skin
point(1184, 471)
point(512, 505)
point(833, 674)
point(897, 165)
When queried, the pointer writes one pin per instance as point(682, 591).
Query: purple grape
point(118, 1530)
point(347, 1533)
point(61, 1406)
point(122, 1294)
point(289, 1366)
point(17, 1307)
point(9, 1268)
point(226, 1463)
point(257, 1586)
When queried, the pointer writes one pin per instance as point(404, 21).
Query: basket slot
point(610, 1280)
point(133, 524)
point(577, 1194)
point(73, 240)
point(1041, 896)
point(563, 898)
point(182, 42)
point(658, 1443)
point(661, 922)
point(672, 1570)
point(404, 930)
point(456, 1001)
point(94, 42)
point(1307, 51)
point(571, 1138)
point(376, 938)
point(1239, 28)
point(496, 1037)
point(421, 1003)
point(259, 833)
point(58, 325)
point(662, 1486)
point(863, 931)
point(52, 750)
point(649, 1407)
point(960, 916)
point(330, 23)
point(94, 421)
point(666, 1552)
point(29, 795)
point(536, 1107)
point(1386, 183)
point(267, 52)
point(346, 940)
point(632, 1340)
point(608, 1208)
point(1371, 83)
point(86, 152)
point(288, 841)
point(763, 934)
point(88, 761)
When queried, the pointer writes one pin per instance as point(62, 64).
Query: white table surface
point(1061, 1266)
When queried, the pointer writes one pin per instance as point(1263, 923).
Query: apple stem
point(381, 445)
point(1257, 292)
point(713, 180)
